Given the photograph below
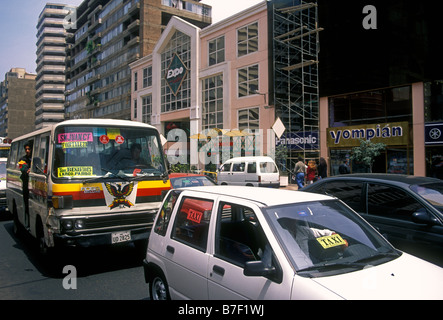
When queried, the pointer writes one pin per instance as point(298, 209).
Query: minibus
point(90, 182)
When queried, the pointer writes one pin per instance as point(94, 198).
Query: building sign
point(433, 133)
point(394, 133)
point(175, 74)
point(306, 140)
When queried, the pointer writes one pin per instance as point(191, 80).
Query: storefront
point(434, 149)
point(396, 158)
point(382, 115)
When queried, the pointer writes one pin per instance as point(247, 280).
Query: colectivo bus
point(91, 182)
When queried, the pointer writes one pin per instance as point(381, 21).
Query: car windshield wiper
point(109, 174)
point(377, 256)
point(332, 266)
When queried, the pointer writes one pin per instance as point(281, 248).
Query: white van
point(249, 171)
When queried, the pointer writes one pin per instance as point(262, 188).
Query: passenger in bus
point(25, 168)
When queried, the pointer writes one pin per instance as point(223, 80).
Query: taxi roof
point(266, 196)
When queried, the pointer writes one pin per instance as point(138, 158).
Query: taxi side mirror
point(257, 269)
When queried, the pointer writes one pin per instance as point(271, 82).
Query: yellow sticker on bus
point(74, 144)
point(74, 171)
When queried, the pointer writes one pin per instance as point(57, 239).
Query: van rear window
point(268, 167)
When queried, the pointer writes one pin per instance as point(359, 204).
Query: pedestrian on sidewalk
point(300, 172)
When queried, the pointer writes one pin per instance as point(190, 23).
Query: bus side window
point(40, 159)
point(13, 160)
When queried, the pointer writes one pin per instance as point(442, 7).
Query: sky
point(18, 22)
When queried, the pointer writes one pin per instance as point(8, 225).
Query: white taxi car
point(240, 243)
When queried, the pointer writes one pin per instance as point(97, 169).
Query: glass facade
point(179, 44)
point(380, 109)
point(212, 102)
point(434, 128)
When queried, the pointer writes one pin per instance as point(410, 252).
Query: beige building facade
point(211, 81)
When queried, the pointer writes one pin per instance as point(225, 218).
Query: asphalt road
point(104, 273)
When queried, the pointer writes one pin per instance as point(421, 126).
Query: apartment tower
point(51, 56)
point(109, 35)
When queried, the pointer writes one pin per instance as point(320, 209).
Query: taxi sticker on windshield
point(331, 241)
point(74, 171)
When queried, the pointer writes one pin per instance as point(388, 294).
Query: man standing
point(344, 168)
point(25, 168)
point(300, 172)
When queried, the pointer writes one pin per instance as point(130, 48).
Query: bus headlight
point(79, 224)
point(67, 224)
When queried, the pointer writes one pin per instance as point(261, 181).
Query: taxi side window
point(191, 224)
point(239, 237)
point(164, 217)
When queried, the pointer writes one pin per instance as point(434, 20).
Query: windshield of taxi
point(83, 152)
point(321, 237)
point(432, 192)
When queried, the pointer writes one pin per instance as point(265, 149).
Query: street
point(104, 273)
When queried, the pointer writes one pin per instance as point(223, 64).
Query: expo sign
point(175, 73)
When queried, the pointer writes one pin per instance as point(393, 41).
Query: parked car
point(230, 243)
point(180, 180)
point(249, 171)
point(407, 210)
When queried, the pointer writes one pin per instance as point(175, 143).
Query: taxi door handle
point(170, 249)
point(219, 270)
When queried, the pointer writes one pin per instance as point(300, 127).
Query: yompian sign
point(175, 74)
point(395, 133)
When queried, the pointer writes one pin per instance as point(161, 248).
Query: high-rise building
point(109, 35)
point(17, 103)
point(51, 55)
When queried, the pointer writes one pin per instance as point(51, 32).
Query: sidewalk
point(285, 185)
point(289, 187)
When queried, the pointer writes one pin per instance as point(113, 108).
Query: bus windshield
point(83, 152)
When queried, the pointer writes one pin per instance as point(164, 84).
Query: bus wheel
point(16, 225)
point(43, 249)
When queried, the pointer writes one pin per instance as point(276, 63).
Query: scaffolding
point(295, 34)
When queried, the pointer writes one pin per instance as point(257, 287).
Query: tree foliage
point(367, 152)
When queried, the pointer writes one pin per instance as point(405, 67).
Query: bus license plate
point(121, 236)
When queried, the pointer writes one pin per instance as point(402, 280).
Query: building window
point(247, 39)
point(135, 81)
point(147, 109)
point(249, 119)
point(247, 81)
point(216, 50)
point(179, 44)
point(147, 77)
point(387, 105)
point(135, 109)
point(212, 111)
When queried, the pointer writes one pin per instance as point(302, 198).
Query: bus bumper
point(102, 238)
